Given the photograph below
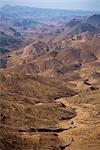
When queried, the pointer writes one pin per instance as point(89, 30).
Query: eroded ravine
point(84, 127)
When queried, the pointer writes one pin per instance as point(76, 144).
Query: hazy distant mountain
point(83, 27)
point(9, 40)
point(73, 22)
point(27, 23)
point(40, 13)
point(94, 20)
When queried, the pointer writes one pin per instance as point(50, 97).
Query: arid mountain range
point(49, 79)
